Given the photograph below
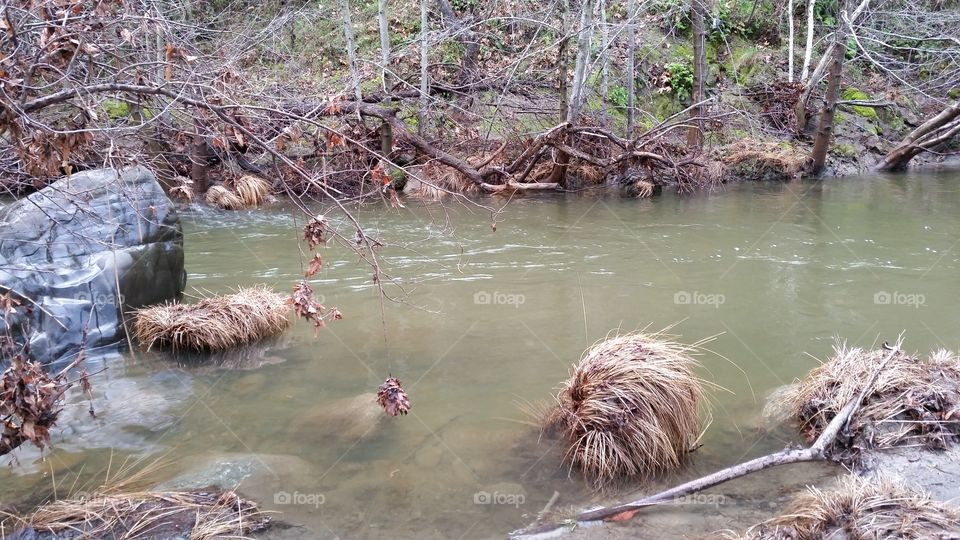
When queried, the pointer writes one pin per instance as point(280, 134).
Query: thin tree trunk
point(351, 49)
point(562, 159)
point(814, 80)
point(384, 44)
point(790, 41)
point(579, 94)
point(825, 130)
point(199, 159)
point(808, 52)
point(605, 69)
point(695, 132)
point(424, 68)
point(631, 71)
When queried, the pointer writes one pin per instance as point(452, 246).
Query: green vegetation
point(855, 94)
point(681, 78)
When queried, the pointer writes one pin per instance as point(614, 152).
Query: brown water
point(490, 320)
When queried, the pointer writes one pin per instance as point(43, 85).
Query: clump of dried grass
point(201, 514)
point(439, 181)
point(214, 323)
point(860, 509)
point(252, 190)
point(912, 400)
point(221, 197)
point(756, 160)
point(629, 409)
point(588, 173)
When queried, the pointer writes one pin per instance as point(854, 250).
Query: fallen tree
point(933, 134)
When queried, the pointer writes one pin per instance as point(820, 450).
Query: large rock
point(85, 249)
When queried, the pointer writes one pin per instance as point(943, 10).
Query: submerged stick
point(818, 451)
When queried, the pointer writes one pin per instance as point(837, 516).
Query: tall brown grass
point(629, 409)
point(860, 509)
point(911, 400)
point(214, 323)
point(221, 197)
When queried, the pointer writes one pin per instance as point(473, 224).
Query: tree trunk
point(351, 49)
point(384, 45)
point(808, 51)
point(801, 110)
point(695, 132)
point(578, 95)
point(469, 40)
point(937, 131)
point(605, 65)
point(790, 41)
point(199, 159)
point(562, 159)
point(422, 117)
point(631, 70)
point(825, 130)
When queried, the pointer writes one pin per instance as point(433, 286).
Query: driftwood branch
point(820, 450)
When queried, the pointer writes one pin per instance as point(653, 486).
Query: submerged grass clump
point(252, 190)
point(198, 515)
point(221, 197)
point(629, 409)
point(912, 401)
point(860, 509)
point(756, 160)
point(214, 323)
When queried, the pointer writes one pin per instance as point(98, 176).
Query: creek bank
point(84, 250)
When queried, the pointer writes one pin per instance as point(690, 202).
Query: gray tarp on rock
point(85, 248)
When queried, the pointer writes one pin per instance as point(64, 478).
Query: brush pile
point(858, 509)
point(214, 323)
point(197, 515)
point(779, 103)
point(912, 401)
point(630, 409)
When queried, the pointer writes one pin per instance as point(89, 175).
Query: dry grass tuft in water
point(913, 401)
point(214, 323)
point(859, 509)
point(197, 515)
point(252, 190)
point(756, 160)
point(221, 197)
point(630, 408)
point(439, 182)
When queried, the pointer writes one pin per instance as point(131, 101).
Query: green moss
point(116, 109)
point(954, 93)
point(839, 118)
point(845, 150)
point(664, 105)
point(855, 94)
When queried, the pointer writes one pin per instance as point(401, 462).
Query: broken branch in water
point(819, 451)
